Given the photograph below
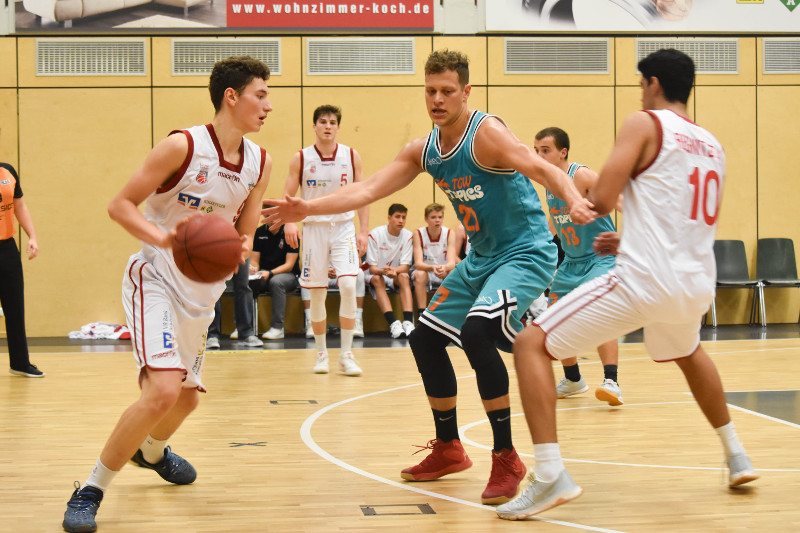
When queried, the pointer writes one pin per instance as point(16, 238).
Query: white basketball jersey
point(670, 213)
point(323, 175)
point(384, 249)
point(434, 252)
point(205, 182)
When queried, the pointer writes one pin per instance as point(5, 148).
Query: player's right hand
point(291, 234)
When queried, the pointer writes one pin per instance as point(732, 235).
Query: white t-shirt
point(385, 249)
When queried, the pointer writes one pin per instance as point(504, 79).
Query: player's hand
point(361, 243)
point(166, 239)
point(331, 273)
point(33, 248)
point(606, 243)
point(290, 232)
point(246, 249)
point(290, 209)
point(581, 212)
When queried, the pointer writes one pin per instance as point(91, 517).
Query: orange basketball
point(207, 248)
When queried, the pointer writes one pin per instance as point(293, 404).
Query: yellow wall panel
point(8, 126)
point(8, 72)
point(497, 75)
point(422, 48)
point(474, 47)
point(28, 77)
point(778, 159)
point(162, 63)
point(730, 114)
point(73, 162)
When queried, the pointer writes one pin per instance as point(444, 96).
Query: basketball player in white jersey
point(671, 171)
point(318, 170)
point(435, 254)
point(210, 166)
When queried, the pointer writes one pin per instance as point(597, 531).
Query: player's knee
point(402, 279)
point(479, 337)
point(433, 363)
point(347, 294)
point(377, 282)
point(528, 342)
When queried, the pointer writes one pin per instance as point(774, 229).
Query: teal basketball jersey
point(499, 208)
point(576, 240)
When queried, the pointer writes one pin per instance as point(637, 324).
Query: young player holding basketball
point(580, 263)
point(330, 239)
point(481, 166)
point(671, 171)
point(168, 314)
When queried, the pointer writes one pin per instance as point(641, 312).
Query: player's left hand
point(582, 212)
point(33, 248)
point(289, 209)
point(361, 243)
point(606, 243)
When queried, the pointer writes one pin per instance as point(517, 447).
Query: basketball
point(673, 10)
point(207, 248)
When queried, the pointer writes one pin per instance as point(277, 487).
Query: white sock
point(347, 340)
point(101, 477)
point(319, 340)
point(153, 450)
point(308, 315)
point(359, 314)
point(730, 441)
point(548, 461)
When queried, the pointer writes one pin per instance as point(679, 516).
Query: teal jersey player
point(511, 260)
point(580, 263)
point(576, 239)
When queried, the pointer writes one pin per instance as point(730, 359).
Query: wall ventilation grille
point(781, 56)
point(91, 57)
point(556, 56)
point(196, 57)
point(711, 56)
point(360, 56)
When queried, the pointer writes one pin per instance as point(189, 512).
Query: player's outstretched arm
point(496, 146)
point(636, 146)
point(391, 178)
point(159, 166)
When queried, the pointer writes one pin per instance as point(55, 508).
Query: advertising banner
point(298, 15)
point(331, 14)
point(657, 16)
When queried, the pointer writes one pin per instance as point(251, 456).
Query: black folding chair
point(776, 265)
point(732, 273)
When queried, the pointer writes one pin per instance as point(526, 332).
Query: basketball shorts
point(571, 274)
point(166, 333)
point(324, 244)
point(606, 308)
point(502, 286)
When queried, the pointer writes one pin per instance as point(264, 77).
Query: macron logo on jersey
point(228, 176)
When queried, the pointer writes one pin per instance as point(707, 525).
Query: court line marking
point(466, 440)
point(305, 434)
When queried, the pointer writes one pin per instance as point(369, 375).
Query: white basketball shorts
point(329, 243)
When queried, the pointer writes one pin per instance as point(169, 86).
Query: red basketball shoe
point(508, 471)
point(446, 458)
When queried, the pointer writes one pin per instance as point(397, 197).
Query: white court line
point(466, 440)
point(305, 434)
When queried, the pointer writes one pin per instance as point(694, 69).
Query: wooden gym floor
point(279, 449)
